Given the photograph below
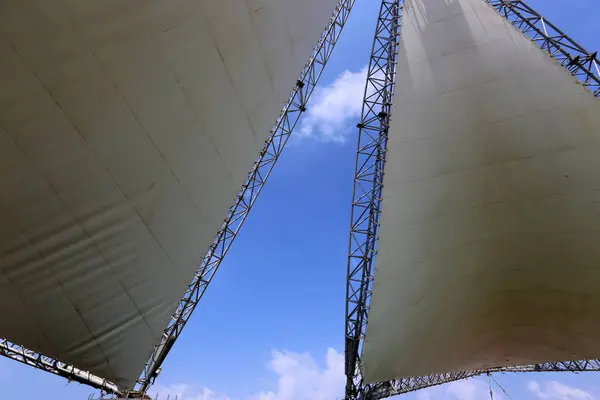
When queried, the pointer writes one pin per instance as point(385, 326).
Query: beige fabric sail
point(126, 130)
point(489, 248)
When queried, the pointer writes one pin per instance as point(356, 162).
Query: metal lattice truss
point(39, 361)
point(580, 63)
point(368, 185)
point(293, 108)
point(285, 123)
point(394, 387)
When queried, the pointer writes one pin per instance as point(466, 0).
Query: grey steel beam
point(39, 361)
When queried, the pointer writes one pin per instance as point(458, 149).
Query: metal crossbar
point(368, 184)
point(39, 361)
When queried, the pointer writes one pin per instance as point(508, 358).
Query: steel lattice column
point(368, 184)
point(285, 123)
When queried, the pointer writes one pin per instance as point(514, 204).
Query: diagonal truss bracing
point(580, 62)
point(368, 185)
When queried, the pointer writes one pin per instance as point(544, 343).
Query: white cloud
point(185, 392)
point(335, 108)
point(553, 390)
point(467, 390)
point(423, 395)
point(299, 377)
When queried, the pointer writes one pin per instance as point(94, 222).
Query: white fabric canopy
point(126, 129)
point(489, 246)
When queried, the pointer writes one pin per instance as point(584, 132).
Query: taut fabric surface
point(126, 130)
point(489, 243)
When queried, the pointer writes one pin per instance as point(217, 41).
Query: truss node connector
point(299, 84)
point(383, 115)
point(360, 125)
point(574, 61)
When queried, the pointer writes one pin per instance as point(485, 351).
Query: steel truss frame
point(582, 64)
point(368, 185)
point(293, 108)
point(39, 361)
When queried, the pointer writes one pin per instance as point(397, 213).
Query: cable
point(500, 386)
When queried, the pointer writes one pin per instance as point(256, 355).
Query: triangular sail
point(488, 247)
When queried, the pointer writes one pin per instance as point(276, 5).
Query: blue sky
point(274, 314)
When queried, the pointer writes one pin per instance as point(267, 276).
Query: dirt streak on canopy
point(126, 129)
point(489, 248)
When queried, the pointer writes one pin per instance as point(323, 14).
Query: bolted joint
point(574, 61)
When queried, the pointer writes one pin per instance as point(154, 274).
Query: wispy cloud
point(553, 390)
point(335, 108)
point(298, 376)
point(185, 392)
